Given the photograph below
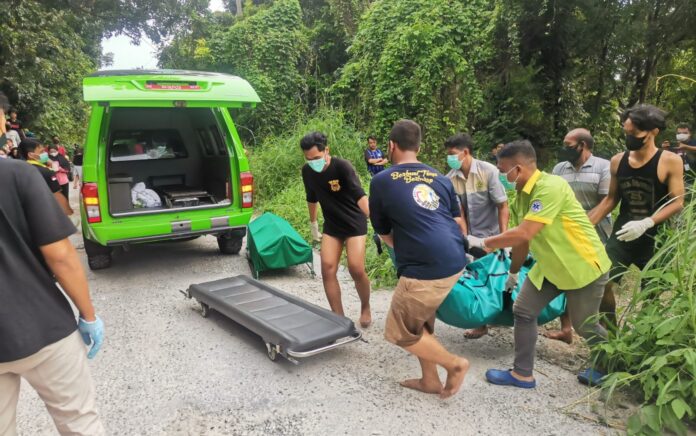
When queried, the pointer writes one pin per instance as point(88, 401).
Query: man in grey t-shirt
point(588, 177)
point(481, 194)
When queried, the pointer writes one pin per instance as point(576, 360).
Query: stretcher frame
point(252, 303)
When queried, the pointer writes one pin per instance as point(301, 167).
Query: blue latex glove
point(92, 334)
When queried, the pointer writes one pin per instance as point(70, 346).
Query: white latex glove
point(633, 230)
point(475, 241)
point(511, 282)
point(316, 234)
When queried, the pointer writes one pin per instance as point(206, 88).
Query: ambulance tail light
point(90, 199)
point(247, 183)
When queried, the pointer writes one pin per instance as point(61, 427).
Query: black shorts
point(345, 231)
point(625, 254)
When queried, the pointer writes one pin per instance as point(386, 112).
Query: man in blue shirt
point(414, 210)
point(374, 158)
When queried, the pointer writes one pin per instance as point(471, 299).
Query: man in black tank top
point(650, 185)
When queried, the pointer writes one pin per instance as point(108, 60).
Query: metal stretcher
point(290, 326)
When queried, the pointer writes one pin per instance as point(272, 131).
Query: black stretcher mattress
point(278, 317)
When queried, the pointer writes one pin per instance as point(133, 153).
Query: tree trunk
point(238, 3)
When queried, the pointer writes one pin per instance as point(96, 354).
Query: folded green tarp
point(479, 298)
point(272, 243)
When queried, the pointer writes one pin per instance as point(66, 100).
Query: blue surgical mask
point(453, 161)
point(43, 157)
point(317, 164)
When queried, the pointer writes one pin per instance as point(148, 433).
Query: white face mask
point(682, 137)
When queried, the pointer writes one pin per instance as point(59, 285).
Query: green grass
point(653, 351)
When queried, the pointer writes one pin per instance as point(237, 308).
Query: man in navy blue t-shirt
point(415, 210)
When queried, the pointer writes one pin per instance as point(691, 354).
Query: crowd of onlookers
point(64, 163)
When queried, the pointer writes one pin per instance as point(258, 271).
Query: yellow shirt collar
point(531, 182)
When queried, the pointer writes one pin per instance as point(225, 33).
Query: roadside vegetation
point(500, 69)
point(653, 352)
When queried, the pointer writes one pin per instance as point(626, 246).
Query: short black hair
point(586, 138)
point(684, 126)
point(460, 141)
point(12, 111)
point(53, 147)
point(406, 134)
point(374, 138)
point(28, 145)
point(521, 147)
point(314, 139)
point(645, 117)
point(4, 103)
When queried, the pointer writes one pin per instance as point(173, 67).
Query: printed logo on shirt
point(425, 197)
point(536, 206)
point(335, 186)
point(414, 176)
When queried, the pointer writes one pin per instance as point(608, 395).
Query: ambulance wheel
point(98, 256)
point(205, 310)
point(230, 243)
point(272, 352)
point(99, 261)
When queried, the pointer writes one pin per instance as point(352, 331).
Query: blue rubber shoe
point(591, 377)
point(504, 377)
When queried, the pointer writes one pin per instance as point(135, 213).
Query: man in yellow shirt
point(570, 258)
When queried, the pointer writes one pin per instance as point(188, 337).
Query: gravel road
point(165, 370)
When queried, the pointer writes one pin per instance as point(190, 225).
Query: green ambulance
point(163, 160)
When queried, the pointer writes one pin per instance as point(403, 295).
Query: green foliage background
point(499, 69)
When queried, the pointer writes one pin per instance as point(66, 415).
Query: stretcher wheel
point(272, 352)
point(205, 310)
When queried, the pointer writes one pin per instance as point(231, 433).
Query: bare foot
point(419, 385)
point(560, 335)
point(476, 333)
point(455, 377)
point(365, 318)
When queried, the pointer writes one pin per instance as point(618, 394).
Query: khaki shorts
point(413, 308)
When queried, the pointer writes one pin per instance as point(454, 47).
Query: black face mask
point(633, 143)
point(569, 154)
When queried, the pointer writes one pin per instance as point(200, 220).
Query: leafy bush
point(266, 49)
point(277, 161)
point(654, 349)
point(416, 59)
point(42, 62)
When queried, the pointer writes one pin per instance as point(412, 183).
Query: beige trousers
point(60, 375)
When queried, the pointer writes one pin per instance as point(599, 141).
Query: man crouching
point(414, 210)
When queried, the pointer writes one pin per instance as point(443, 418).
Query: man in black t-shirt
point(14, 124)
point(414, 209)
point(333, 183)
point(40, 339)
